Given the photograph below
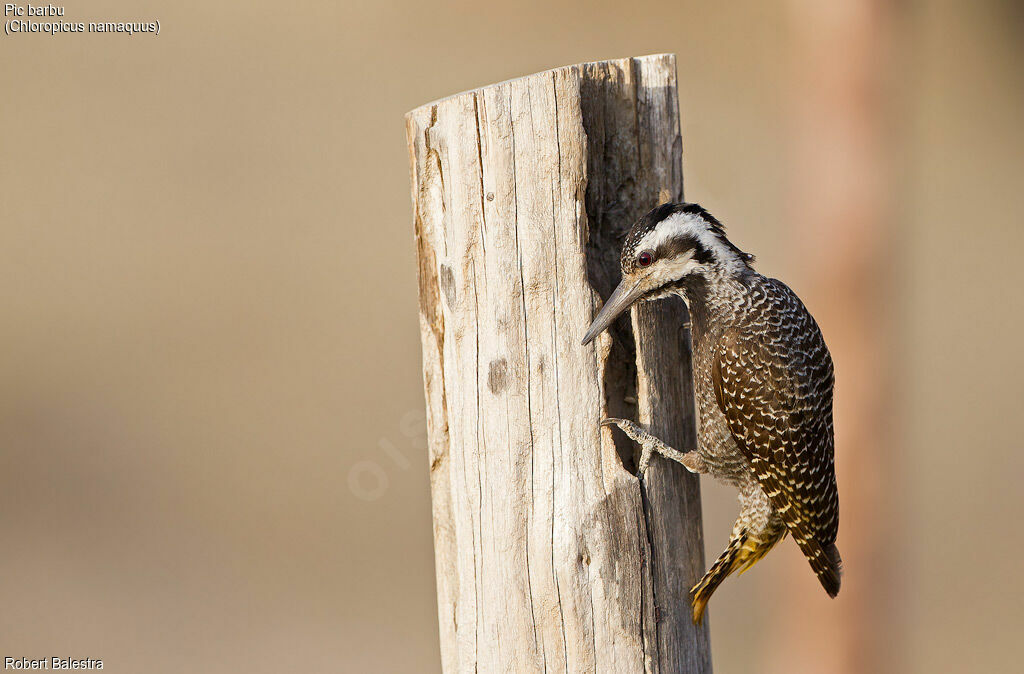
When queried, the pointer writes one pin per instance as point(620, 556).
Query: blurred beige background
point(211, 458)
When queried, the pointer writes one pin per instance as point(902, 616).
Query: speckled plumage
point(763, 379)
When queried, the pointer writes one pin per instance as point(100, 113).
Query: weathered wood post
point(551, 555)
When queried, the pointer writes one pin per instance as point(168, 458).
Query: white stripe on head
point(692, 225)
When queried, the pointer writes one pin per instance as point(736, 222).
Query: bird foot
point(650, 445)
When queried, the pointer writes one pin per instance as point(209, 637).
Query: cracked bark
point(550, 554)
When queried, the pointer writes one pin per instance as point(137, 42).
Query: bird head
point(666, 251)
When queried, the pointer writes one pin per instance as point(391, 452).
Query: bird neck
point(715, 301)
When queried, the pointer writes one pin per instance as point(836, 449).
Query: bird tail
point(825, 561)
point(743, 552)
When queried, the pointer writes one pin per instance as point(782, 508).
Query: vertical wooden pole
point(551, 555)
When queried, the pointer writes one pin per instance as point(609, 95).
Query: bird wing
point(773, 381)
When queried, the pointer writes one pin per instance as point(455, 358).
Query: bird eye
point(644, 259)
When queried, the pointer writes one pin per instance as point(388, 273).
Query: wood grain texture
point(551, 555)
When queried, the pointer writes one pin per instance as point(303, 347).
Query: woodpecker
point(763, 382)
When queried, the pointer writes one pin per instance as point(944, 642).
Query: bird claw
point(630, 428)
point(639, 435)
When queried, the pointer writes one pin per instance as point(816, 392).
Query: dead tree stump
point(551, 555)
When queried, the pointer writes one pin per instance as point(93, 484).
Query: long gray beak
point(620, 300)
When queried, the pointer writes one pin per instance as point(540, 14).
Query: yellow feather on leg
point(757, 551)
